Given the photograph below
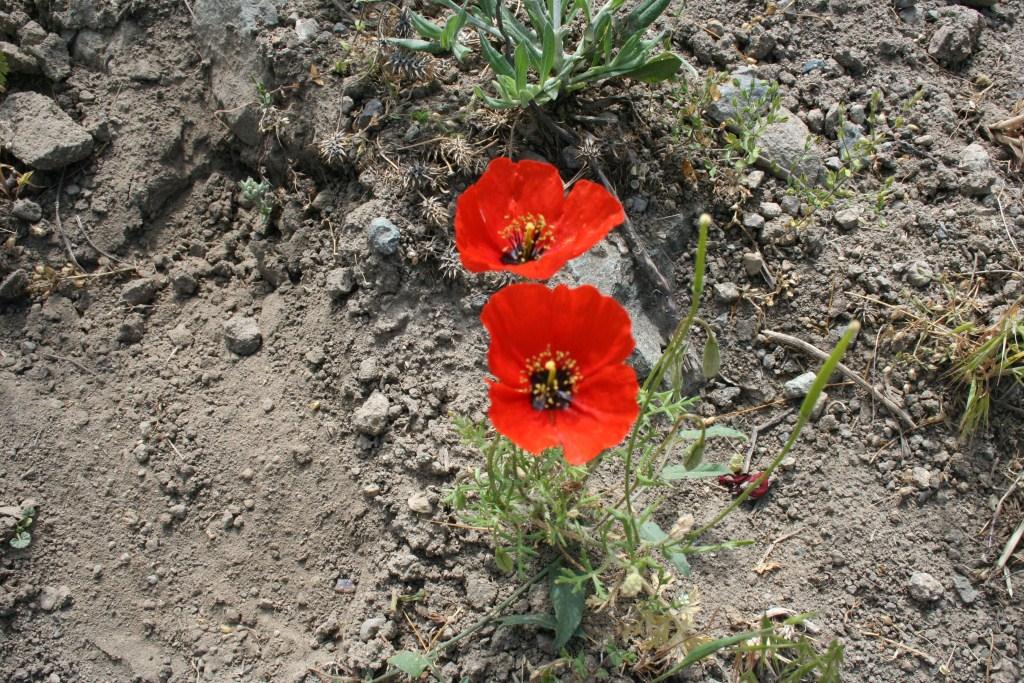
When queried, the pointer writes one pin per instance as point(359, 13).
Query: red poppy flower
point(558, 356)
point(517, 217)
point(737, 483)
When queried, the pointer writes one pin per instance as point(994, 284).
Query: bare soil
point(206, 515)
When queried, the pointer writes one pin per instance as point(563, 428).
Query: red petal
point(590, 212)
point(513, 416)
point(602, 412)
point(593, 328)
point(519, 319)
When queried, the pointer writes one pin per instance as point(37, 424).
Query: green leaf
point(569, 600)
point(452, 28)
point(495, 59)
point(425, 28)
point(701, 651)
point(701, 471)
point(412, 664)
point(713, 431)
point(652, 533)
point(680, 562)
point(21, 540)
point(644, 15)
point(522, 66)
point(503, 559)
point(417, 45)
point(712, 360)
point(547, 61)
point(695, 456)
point(659, 68)
point(540, 620)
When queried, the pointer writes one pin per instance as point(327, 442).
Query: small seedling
point(257, 195)
point(22, 537)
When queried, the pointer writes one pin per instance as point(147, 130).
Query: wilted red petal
point(492, 215)
point(580, 336)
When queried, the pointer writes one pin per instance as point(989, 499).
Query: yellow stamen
point(528, 237)
point(552, 373)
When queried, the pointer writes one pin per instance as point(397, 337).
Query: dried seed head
point(449, 263)
point(590, 151)
point(334, 149)
point(406, 65)
point(403, 26)
point(420, 176)
point(434, 212)
point(460, 153)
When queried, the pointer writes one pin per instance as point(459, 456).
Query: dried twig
point(793, 342)
point(74, 362)
point(81, 228)
point(60, 226)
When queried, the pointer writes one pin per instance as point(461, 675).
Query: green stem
point(806, 408)
point(673, 350)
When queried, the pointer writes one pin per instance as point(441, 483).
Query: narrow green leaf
point(568, 600)
point(418, 45)
point(522, 66)
point(540, 620)
point(701, 651)
point(712, 360)
point(701, 471)
point(424, 27)
point(713, 431)
point(495, 59)
point(652, 533)
point(548, 55)
point(645, 14)
point(412, 664)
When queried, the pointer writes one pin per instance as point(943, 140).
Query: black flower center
point(553, 378)
point(528, 237)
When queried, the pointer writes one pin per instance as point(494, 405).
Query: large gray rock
point(225, 29)
point(956, 38)
point(36, 131)
point(783, 145)
point(52, 53)
point(18, 61)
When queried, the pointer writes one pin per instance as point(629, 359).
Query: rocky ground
point(231, 408)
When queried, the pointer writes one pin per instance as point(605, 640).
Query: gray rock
point(51, 598)
point(36, 131)
point(369, 628)
point(139, 292)
point(922, 477)
point(14, 285)
point(19, 61)
point(770, 210)
point(924, 587)
point(724, 396)
point(242, 335)
point(420, 503)
point(753, 263)
point(784, 151)
point(340, 283)
point(956, 38)
point(799, 386)
point(180, 335)
point(27, 210)
point(980, 176)
point(790, 205)
point(848, 219)
point(368, 370)
point(919, 274)
point(480, 592)
point(968, 594)
point(753, 221)
point(132, 329)
point(52, 53)
point(183, 283)
point(742, 88)
point(371, 418)
point(306, 29)
point(384, 236)
point(726, 292)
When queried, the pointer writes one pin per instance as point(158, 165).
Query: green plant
point(552, 47)
point(258, 195)
point(3, 72)
point(753, 113)
point(20, 534)
point(605, 553)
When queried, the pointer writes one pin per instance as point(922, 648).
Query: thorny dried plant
point(406, 66)
point(448, 261)
point(459, 154)
point(419, 175)
point(334, 149)
point(434, 211)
